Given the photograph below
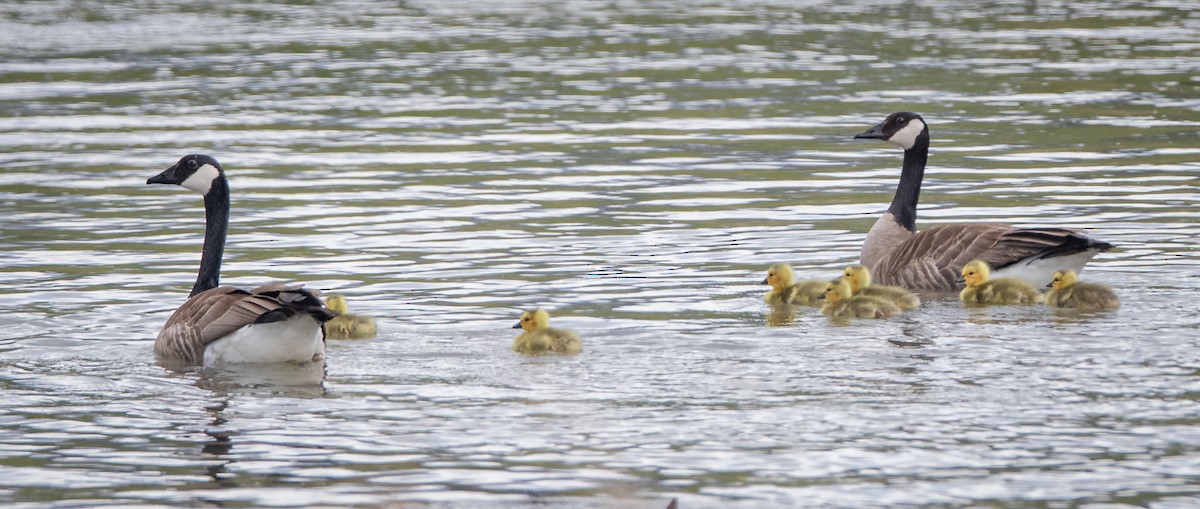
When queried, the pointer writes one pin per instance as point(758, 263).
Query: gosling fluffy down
point(840, 304)
point(539, 337)
point(859, 279)
point(1067, 292)
point(784, 289)
point(346, 325)
point(983, 291)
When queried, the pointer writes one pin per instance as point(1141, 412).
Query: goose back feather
point(214, 314)
point(932, 259)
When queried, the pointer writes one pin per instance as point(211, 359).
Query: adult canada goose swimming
point(1066, 291)
point(785, 289)
point(982, 290)
point(223, 324)
point(930, 260)
point(346, 325)
point(539, 337)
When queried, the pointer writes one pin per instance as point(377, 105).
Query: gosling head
point(533, 320)
point(337, 304)
point(779, 276)
point(976, 272)
point(835, 291)
point(903, 128)
point(1063, 279)
point(197, 172)
point(857, 276)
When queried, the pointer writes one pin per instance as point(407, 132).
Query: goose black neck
point(904, 203)
point(216, 227)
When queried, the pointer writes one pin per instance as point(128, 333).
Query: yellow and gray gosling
point(839, 303)
point(981, 291)
point(784, 289)
point(539, 337)
point(859, 279)
point(346, 325)
point(1067, 292)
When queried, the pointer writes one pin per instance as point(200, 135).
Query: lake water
point(634, 167)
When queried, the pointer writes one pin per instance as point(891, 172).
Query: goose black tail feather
point(1053, 242)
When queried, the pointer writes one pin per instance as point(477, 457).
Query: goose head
point(976, 272)
point(1063, 279)
point(857, 276)
point(779, 276)
point(835, 291)
point(533, 320)
point(196, 172)
point(901, 128)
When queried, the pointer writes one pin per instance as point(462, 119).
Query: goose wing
point(214, 314)
point(932, 259)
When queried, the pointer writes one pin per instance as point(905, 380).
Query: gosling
point(981, 291)
point(784, 289)
point(539, 337)
point(859, 279)
point(1067, 292)
point(839, 303)
point(346, 325)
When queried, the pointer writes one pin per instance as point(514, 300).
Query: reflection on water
point(634, 167)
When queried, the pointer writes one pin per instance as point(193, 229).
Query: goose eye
point(901, 120)
point(192, 164)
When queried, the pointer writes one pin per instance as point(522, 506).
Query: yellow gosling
point(346, 325)
point(540, 338)
point(859, 279)
point(1067, 292)
point(982, 291)
point(785, 290)
point(839, 303)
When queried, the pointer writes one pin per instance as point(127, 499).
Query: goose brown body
point(216, 313)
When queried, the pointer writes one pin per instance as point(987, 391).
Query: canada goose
point(982, 290)
point(539, 337)
point(931, 259)
point(223, 324)
point(859, 279)
point(784, 289)
point(839, 303)
point(1067, 292)
point(346, 325)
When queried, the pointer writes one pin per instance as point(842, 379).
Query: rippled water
point(635, 167)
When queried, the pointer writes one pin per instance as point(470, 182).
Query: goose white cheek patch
point(202, 180)
point(908, 136)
